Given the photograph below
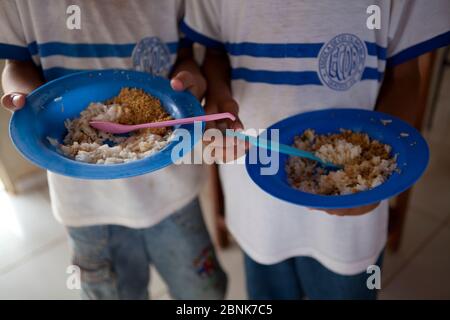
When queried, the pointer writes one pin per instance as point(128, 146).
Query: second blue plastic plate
point(410, 147)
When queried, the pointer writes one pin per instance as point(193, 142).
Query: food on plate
point(132, 106)
point(366, 162)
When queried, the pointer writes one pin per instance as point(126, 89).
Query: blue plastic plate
point(51, 104)
point(410, 147)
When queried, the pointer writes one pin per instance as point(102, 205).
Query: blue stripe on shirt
point(88, 50)
point(173, 46)
point(290, 50)
point(271, 50)
point(249, 75)
point(200, 38)
point(274, 50)
point(295, 78)
point(33, 48)
point(13, 52)
point(276, 77)
point(372, 74)
point(441, 40)
point(373, 49)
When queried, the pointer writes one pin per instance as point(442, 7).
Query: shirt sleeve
point(12, 39)
point(184, 42)
point(202, 22)
point(416, 27)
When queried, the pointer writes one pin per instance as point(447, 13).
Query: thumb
point(13, 101)
point(237, 125)
point(185, 80)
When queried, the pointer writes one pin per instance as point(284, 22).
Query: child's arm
point(187, 74)
point(218, 207)
point(18, 79)
point(219, 98)
point(399, 96)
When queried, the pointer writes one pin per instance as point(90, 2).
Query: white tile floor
point(34, 254)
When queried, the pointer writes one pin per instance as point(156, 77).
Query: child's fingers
point(13, 101)
point(230, 106)
point(233, 108)
point(19, 100)
point(227, 148)
point(233, 149)
point(237, 124)
point(184, 80)
point(177, 84)
point(210, 125)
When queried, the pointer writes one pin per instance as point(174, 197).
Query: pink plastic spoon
point(113, 127)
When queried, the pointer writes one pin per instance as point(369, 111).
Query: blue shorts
point(114, 260)
point(305, 277)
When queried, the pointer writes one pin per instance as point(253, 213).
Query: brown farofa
point(138, 107)
point(131, 106)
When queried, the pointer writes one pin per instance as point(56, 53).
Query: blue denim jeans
point(114, 260)
point(304, 277)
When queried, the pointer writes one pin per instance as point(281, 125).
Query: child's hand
point(186, 80)
point(233, 147)
point(224, 105)
point(13, 101)
point(357, 211)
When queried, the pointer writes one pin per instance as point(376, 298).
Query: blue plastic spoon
point(282, 148)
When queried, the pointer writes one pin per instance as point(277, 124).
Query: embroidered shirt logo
point(342, 61)
point(152, 55)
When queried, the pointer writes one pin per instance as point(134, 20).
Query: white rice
point(360, 171)
point(86, 144)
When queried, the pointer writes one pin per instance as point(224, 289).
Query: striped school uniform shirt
point(293, 56)
point(137, 34)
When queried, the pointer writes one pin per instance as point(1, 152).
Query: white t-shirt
point(275, 49)
point(110, 34)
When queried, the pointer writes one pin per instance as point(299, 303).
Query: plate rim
point(121, 170)
point(343, 201)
